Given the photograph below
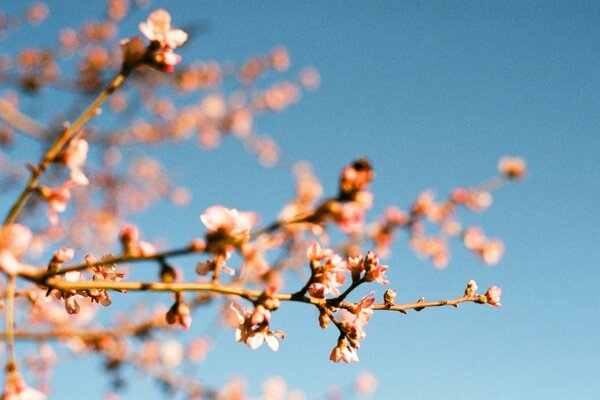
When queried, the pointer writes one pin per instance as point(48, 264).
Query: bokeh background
point(434, 93)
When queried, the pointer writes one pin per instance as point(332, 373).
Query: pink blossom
point(328, 277)
point(254, 335)
point(74, 158)
point(493, 296)
point(228, 220)
point(373, 270)
point(57, 199)
point(492, 251)
point(316, 253)
point(158, 28)
point(260, 315)
point(343, 352)
point(227, 228)
point(64, 254)
point(366, 383)
point(364, 310)
point(130, 235)
point(473, 238)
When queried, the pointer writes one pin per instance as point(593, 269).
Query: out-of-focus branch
point(68, 133)
point(21, 122)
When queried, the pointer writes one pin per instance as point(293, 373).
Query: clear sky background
point(434, 93)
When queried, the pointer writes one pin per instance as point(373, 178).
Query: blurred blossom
point(117, 9)
point(512, 167)
point(310, 79)
point(74, 157)
point(171, 353)
point(280, 59)
point(14, 241)
point(274, 388)
point(37, 12)
point(366, 383)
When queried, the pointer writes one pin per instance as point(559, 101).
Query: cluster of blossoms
point(351, 331)
point(252, 327)
point(132, 245)
point(103, 271)
point(328, 271)
point(489, 250)
point(227, 230)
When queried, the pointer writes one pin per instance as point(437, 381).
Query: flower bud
point(471, 288)
point(324, 319)
point(389, 296)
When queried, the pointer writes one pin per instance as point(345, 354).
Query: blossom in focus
point(227, 227)
point(493, 296)
point(74, 158)
point(14, 241)
point(254, 335)
point(343, 352)
point(157, 28)
point(106, 272)
point(179, 313)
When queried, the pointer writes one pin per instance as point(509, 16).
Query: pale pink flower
point(254, 335)
point(343, 352)
point(473, 238)
point(57, 199)
point(130, 235)
point(493, 296)
point(74, 158)
point(492, 251)
point(373, 270)
point(316, 253)
point(227, 228)
point(64, 254)
point(198, 349)
point(366, 383)
point(260, 315)
point(473, 200)
point(158, 28)
point(228, 220)
point(364, 310)
point(328, 277)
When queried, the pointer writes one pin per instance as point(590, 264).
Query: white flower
point(158, 28)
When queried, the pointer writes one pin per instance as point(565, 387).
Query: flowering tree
point(51, 296)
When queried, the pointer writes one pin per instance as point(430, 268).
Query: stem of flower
point(11, 363)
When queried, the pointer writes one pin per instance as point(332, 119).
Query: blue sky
point(434, 93)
